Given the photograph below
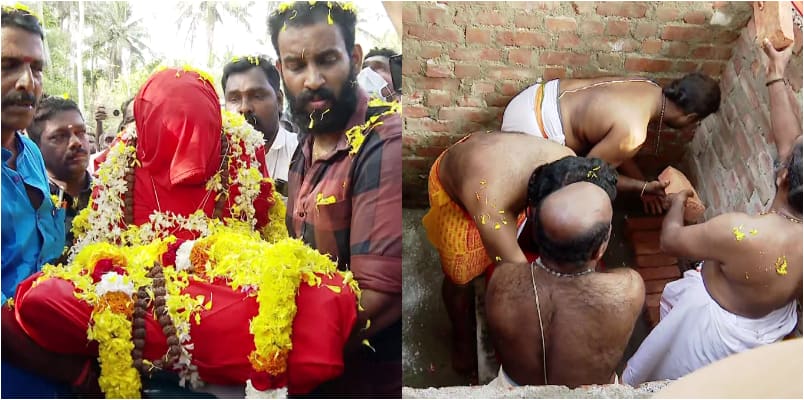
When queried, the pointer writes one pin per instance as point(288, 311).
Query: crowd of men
point(48, 154)
point(539, 224)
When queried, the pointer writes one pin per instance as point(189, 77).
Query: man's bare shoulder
point(624, 280)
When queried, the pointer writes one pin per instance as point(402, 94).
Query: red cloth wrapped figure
point(182, 261)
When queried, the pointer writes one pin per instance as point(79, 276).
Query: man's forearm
point(784, 125)
point(629, 184)
point(673, 221)
point(381, 309)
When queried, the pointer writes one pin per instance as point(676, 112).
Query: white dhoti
point(695, 331)
point(503, 381)
point(519, 114)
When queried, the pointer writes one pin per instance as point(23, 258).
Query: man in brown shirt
point(344, 184)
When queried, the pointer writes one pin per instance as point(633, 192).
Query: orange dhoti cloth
point(453, 232)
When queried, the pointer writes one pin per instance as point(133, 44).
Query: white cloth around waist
point(519, 115)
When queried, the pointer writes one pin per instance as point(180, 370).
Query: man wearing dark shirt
point(59, 130)
point(344, 184)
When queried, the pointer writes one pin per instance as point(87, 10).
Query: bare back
point(497, 166)
point(587, 322)
point(593, 109)
point(757, 267)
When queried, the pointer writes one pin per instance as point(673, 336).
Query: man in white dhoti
point(745, 293)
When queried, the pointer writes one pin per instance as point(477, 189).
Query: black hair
point(578, 250)
point(794, 198)
point(243, 64)
point(47, 108)
point(303, 13)
point(550, 177)
point(22, 19)
point(381, 51)
point(694, 93)
point(123, 108)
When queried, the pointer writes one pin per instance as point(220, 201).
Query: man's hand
point(100, 113)
point(680, 197)
point(777, 60)
point(653, 197)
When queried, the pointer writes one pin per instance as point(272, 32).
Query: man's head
point(695, 95)
point(128, 117)
point(59, 130)
point(379, 60)
point(553, 176)
point(251, 87)
point(318, 62)
point(93, 143)
point(23, 62)
point(573, 224)
point(106, 140)
point(788, 177)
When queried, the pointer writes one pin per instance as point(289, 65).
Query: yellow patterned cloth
point(453, 233)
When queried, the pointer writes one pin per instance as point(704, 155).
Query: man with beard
point(59, 130)
point(32, 225)
point(251, 87)
point(608, 118)
point(345, 191)
point(744, 294)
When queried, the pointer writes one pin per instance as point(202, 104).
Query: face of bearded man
point(319, 76)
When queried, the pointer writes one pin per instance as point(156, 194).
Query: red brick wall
point(730, 159)
point(465, 61)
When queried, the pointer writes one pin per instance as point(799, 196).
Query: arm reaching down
point(784, 125)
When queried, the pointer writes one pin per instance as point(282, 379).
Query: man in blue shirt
point(32, 225)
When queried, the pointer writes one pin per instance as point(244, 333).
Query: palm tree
point(208, 14)
point(117, 38)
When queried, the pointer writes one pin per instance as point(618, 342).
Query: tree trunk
point(80, 55)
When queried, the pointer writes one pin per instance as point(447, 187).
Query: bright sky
point(170, 41)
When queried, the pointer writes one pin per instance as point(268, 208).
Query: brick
point(626, 45)
point(652, 300)
point(712, 68)
point(496, 100)
point(568, 40)
point(666, 14)
point(433, 33)
point(678, 49)
point(686, 33)
point(591, 28)
point(411, 67)
point(643, 223)
point(652, 236)
point(410, 13)
point(464, 54)
point(509, 88)
point(725, 37)
point(560, 24)
point(693, 208)
point(697, 17)
point(423, 83)
point(523, 38)
point(490, 18)
point(639, 64)
point(467, 71)
point(480, 87)
point(645, 29)
point(425, 125)
point(527, 21)
point(435, 69)
point(775, 22)
point(656, 285)
point(622, 9)
point(655, 260)
point(415, 111)
point(646, 248)
point(478, 35)
point(704, 51)
point(438, 98)
point(651, 46)
point(563, 58)
point(470, 101)
point(610, 61)
point(667, 272)
point(520, 56)
point(430, 51)
point(616, 28)
point(433, 15)
point(504, 72)
point(554, 73)
point(584, 7)
point(473, 114)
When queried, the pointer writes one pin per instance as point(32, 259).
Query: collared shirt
point(72, 205)
point(31, 237)
point(350, 207)
point(280, 154)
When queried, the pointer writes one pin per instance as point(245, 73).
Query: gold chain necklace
point(789, 218)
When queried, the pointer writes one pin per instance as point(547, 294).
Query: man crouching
point(557, 321)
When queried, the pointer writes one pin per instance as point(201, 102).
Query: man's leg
point(459, 300)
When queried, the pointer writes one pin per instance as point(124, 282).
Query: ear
point(280, 101)
point(603, 246)
point(357, 57)
point(278, 65)
point(691, 118)
point(781, 176)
